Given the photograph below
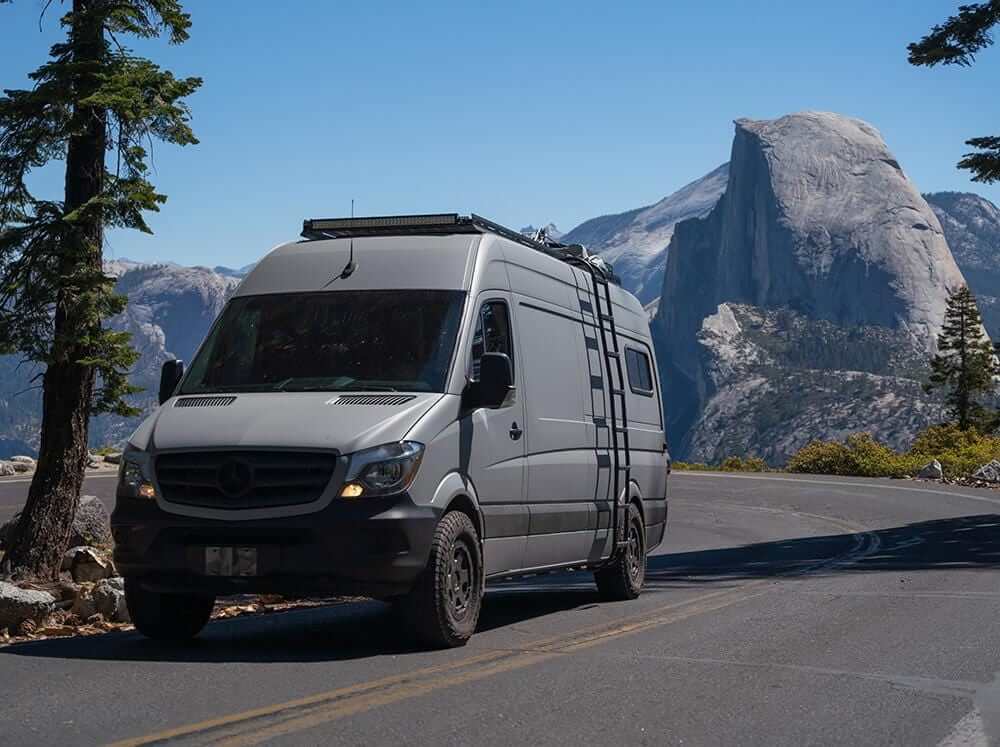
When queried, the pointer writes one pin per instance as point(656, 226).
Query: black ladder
point(621, 454)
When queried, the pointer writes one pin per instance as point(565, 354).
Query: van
point(406, 408)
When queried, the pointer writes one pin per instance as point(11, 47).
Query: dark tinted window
point(640, 374)
point(492, 334)
point(340, 340)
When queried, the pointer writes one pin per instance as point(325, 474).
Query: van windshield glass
point(391, 340)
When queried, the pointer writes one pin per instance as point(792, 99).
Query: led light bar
point(333, 225)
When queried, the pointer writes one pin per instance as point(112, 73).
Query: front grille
point(244, 479)
point(204, 401)
point(373, 399)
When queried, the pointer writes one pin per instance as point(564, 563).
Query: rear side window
point(492, 334)
point(640, 374)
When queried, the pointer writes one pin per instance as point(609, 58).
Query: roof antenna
point(351, 265)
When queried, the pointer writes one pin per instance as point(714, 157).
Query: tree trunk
point(40, 538)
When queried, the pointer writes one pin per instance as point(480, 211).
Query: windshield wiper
point(367, 388)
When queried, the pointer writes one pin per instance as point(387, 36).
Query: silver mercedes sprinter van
point(407, 408)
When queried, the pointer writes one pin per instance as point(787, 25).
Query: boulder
point(88, 565)
point(113, 458)
point(70, 554)
point(22, 466)
point(92, 525)
point(18, 605)
point(84, 605)
point(989, 472)
point(109, 600)
point(931, 471)
point(22, 459)
point(7, 469)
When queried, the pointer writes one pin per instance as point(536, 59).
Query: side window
point(492, 334)
point(640, 374)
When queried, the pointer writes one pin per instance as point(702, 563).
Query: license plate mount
point(230, 561)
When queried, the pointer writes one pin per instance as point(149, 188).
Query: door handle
point(515, 432)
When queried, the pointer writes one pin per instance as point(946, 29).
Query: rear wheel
point(167, 617)
point(623, 578)
point(443, 607)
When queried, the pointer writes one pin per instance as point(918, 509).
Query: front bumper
point(372, 547)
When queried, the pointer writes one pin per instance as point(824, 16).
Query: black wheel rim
point(633, 552)
point(461, 580)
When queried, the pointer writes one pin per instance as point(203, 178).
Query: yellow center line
point(268, 722)
point(303, 713)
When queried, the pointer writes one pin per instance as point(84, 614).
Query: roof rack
point(443, 223)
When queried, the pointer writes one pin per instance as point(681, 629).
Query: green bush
point(729, 464)
point(859, 455)
point(748, 464)
point(689, 466)
point(960, 453)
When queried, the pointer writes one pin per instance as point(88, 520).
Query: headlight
point(134, 478)
point(384, 470)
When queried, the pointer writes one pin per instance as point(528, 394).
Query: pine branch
point(958, 40)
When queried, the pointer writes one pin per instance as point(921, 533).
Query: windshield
point(339, 340)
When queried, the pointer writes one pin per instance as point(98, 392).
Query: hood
point(307, 420)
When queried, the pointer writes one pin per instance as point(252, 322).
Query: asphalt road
point(782, 610)
point(13, 491)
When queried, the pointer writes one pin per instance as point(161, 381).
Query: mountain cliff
point(635, 242)
point(972, 227)
point(169, 312)
point(817, 221)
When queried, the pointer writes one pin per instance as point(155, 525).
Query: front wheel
point(443, 607)
point(167, 617)
point(623, 578)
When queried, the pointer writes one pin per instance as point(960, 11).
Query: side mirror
point(496, 379)
point(170, 377)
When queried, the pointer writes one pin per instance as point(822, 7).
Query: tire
point(442, 609)
point(167, 617)
point(623, 578)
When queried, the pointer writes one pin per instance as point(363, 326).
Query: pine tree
point(965, 362)
point(957, 41)
point(94, 108)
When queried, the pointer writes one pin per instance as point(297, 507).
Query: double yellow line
point(263, 724)
point(269, 722)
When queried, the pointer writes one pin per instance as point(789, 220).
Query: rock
point(113, 458)
point(88, 565)
point(989, 472)
point(84, 606)
point(18, 606)
point(835, 271)
point(7, 469)
point(109, 600)
point(931, 471)
point(70, 554)
point(93, 462)
point(972, 227)
point(635, 242)
point(22, 466)
point(22, 460)
point(92, 525)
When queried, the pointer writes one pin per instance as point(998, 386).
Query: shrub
point(689, 466)
point(748, 464)
point(959, 451)
point(859, 455)
point(945, 437)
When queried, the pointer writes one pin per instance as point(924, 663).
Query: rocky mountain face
point(169, 312)
point(972, 227)
point(635, 242)
point(819, 254)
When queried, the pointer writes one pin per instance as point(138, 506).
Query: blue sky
point(521, 111)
